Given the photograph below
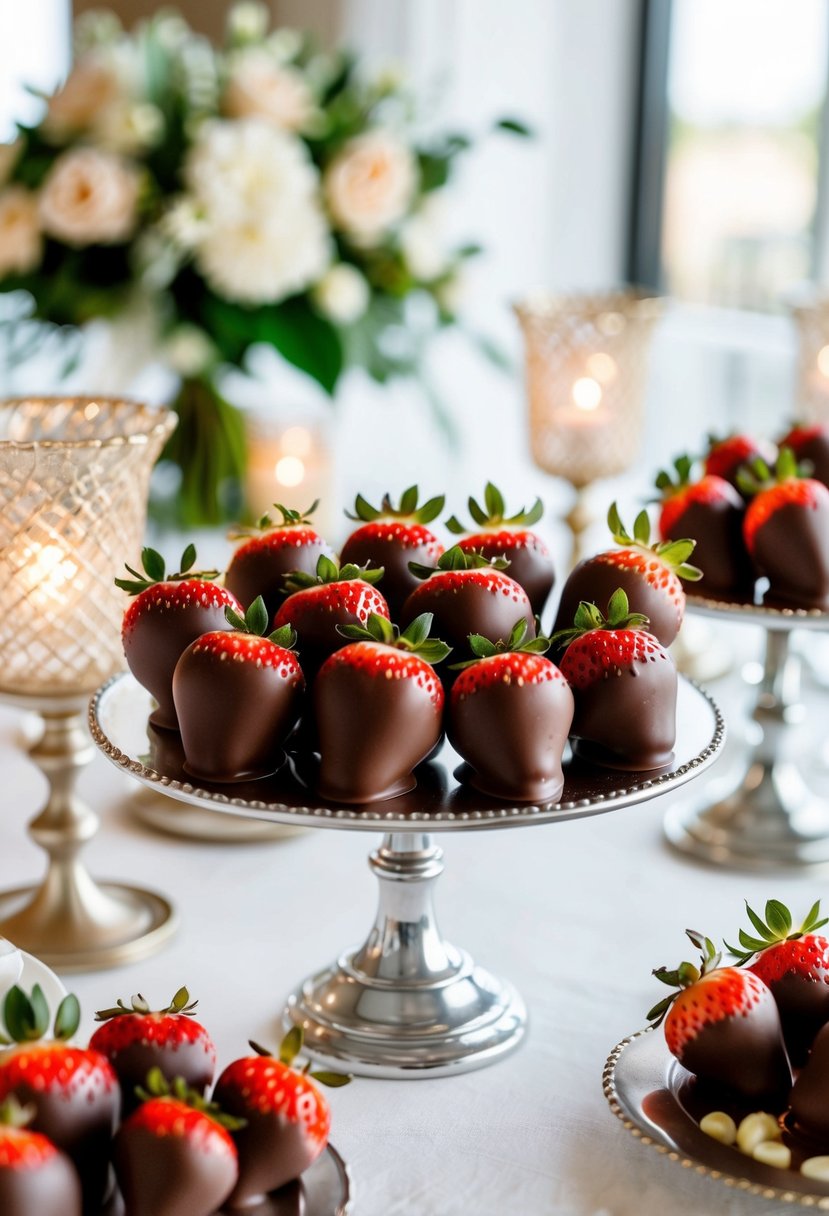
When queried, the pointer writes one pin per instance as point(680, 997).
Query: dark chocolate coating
point(808, 1102)
point(50, 1189)
point(815, 450)
point(595, 579)
point(530, 563)
point(468, 607)
point(185, 1059)
point(261, 569)
point(272, 1150)
point(745, 1053)
point(167, 1176)
point(803, 1005)
point(372, 733)
point(365, 548)
point(316, 622)
point(514, 738)
point(791, 548)
point(628, 720)
point(233, 716)
point(720, 552)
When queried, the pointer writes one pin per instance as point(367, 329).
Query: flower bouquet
point(262, 192)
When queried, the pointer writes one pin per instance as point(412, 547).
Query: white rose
point(248, 21)
point(92, 85)
point(342, 294)
point(128, 127)
point(369, 185)
point(188, 350)
point(89, 198)
point(20, 241)
point(258, 87)
point(422, 247)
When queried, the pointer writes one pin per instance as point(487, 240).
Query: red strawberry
point(794, 965)
point(36, 1179)
point(624, 684)
point(335, 595)
point(392, 537)
point(786, 531)
point(269, 552)
point(174, 1156)
point(810, 444)
point(510, 537)
point(648, 574)
point(467, 593)
point(370, 755)
point(722, 1025)
point(287, 1120)
point(725, 457)
point(168, 613)
point(711, 511)
point(135, 1039)
point(73, 1092)
point(510, 715)
point(238, 695)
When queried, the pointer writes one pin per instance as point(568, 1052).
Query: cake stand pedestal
point(771, 819)
point(406, 1003)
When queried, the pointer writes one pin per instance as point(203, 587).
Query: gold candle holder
point(74, 477)
point(811, 317)
point(586, 359)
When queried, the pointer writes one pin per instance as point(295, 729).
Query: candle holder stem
point(70, 921)
point(578, 520)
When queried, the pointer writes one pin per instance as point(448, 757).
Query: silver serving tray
point(774, 616)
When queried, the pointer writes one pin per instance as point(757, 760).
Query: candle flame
point(289, 471)
point(587, 393)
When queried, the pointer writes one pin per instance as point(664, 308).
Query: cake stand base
point(406, 1004)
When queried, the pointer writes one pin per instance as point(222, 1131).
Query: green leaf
point(327, 570)
point(417, 633)
point(181, 1000)
point(642, 528)
point(433, 651)
point(753, 944)
point(291, 1045)
point(454, 525)
point(188, 559)
point(408, 501)
point(67, 1018)
point(18, 1015)
point(284, 636)
point(431, 509)
point(813, 920)
point(618, 607)
point(659, 1010)
point(478, 514)
point(334, 1080)
point(480, 646)
point(256, 617)
point(761, 927)
point(494, 502)
point(153, 563)
point(232, 617)
point(614, 522)
point(778, 918)
point(514, 126)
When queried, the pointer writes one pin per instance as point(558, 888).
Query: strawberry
point(370, 756)
point(36, 1179)
point(234, 715)
point(786, 531)
point(810, 444)
point(287, 1120)
point(392, 537)
point(711, 511)
point(794, 965)
point(271, 550)
point(73, 1091)
point(168, 613)
point(174, 1156)
point(725, 457)
point(808, 1097)
point(136, 1039)
point(648, 574)
point(509, 717)
point(467, 593)
point(722, 1025)
point(318, 603)
point(510, 537)
point(624, 685)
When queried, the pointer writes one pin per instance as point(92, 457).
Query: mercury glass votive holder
point(811, 318)
point(74, 479)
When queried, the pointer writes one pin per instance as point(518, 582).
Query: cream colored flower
point(188, 350)
point(20, 240)
point(369, 185)
point(89, 198)
point(258, 87)
point(128, 127)
point(91, 86)
point(342, 294)
point(421, 241)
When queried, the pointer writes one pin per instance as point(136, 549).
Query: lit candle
point(290, 465)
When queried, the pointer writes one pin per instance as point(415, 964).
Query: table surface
point(575, 914)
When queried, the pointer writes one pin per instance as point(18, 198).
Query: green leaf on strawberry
point(776, 928)
point(672, 553)
point(327, 571)
point(414, 639)
point(155, 571)
point(494, 512)
point(407, 508)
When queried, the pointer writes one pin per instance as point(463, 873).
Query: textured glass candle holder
point(811, 317)
point(586, 363)
point(74, 477)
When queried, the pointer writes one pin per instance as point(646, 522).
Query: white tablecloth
point(575, 914)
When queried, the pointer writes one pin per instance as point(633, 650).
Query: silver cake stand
point(406, 1003)
point(771, 819)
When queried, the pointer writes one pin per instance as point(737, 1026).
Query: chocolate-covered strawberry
point(808, 1097)
point(510, 536)
point(725, 457)
point(624, 685)
point(810, 444)
point(509, 717)
point(271, 550)
point(650, 575)
point(786, 531)
point(710, 511)
point(36, 1179)
point(392, 537)
point(168, 613)
point(73, 1092)
point(174, 1155)
point(467, 593)
point(286, 1118)
point(136, 1039)
point(387, 677)
point(318, 603)
point(722, 1025)
point(238, 695)
point(794, 964)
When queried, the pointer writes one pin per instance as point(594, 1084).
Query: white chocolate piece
point(816, 1167)
point(772, 1152)
point(756, 1128)
point(719, 1126)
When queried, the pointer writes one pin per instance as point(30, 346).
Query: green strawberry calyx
point(407, 508)
point(670, 483)
point(414, 639)
point(493, 513)
point(157, 1086)
point(457, 558)
point(756, 476)
point(518, 642)
point(14, 1114)
point(154, 571)
point(255, 621)
point(180, 1004)
point(328, 571)
point(289, 1050)
point(267, 523)
point(672, 553)
point(777, 927)
point(589, 617)
point(684, 975)
point(27, 1017)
